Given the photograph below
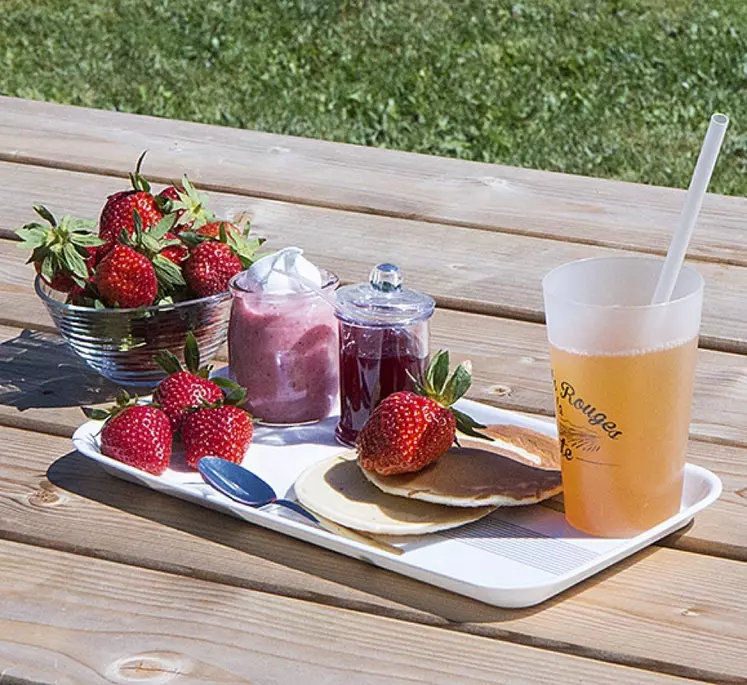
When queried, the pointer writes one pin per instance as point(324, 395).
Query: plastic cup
point(623, 374)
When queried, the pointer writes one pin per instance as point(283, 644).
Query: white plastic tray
point(516, 557)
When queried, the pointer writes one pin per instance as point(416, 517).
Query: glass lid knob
point(386, 278)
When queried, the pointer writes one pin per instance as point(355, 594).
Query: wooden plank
point(500, 198)
point(61, 622)
point(659, 610)
point(511, 370)
point(472, 270)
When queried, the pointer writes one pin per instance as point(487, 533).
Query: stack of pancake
point(519, 466)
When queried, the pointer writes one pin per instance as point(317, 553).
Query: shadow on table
point(77, 474)
point(37, 370)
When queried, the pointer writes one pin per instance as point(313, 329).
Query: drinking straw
point(689, 215)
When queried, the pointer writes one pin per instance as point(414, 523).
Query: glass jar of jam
point(383, 329)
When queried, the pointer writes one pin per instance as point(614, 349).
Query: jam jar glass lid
point(383, 301)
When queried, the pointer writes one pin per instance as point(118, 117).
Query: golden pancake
point(520, 467)
point(336, 489)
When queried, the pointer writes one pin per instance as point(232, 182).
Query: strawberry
point(176, 252)
point(224, 431)
point(212, 230)
point(126, 278)
point(182, 391)
point(408, 431)
point(209, 267)
point(137, 435)
point(116, 216)
point(134, 273)
point(169, 193)
point(187, 203)
point(186, 389)
point(63, 252)
point(215, 259)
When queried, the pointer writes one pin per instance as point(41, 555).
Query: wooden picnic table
point(104, 581)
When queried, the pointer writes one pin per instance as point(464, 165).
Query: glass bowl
point(120, 343)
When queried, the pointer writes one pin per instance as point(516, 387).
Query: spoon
point(245, 487)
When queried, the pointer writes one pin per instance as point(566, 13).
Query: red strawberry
point(224, 432)
point(186, 389)
point(126, 278)
point(166, 200)
point(63, 253)
point(170, 193)
point(218, 251)
point(209, 267)
point(212, 230)
point(135, 272)
point(182, 391)
point(116, 215)
point(174, 253)
point(137, 435)
point(408, 431)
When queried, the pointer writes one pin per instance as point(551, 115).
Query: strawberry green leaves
point(170, 363)
point(150, 243)
point(191, 207)
point(169, 275)
point(122, 402)
point(437, 373)
point(241, 245)
point(467, 425)
point(235, 394)
point(60, 249)
point(160, 229)
point(447, 389)
point(192, 354)
point(45, 214)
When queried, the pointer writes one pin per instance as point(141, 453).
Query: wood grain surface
point(470, 269)
point(75, 621)
point(369, 180)
point(645, 610)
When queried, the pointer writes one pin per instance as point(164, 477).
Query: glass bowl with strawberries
point(157, 268)
point(119, 343)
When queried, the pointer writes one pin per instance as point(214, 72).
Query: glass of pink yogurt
point(283, 348)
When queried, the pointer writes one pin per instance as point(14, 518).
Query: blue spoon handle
point(290, 504)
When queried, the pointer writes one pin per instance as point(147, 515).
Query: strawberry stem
point(137, 180)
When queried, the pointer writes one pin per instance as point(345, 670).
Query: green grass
point(616, 89)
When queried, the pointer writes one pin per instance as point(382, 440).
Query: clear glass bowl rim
point(39, 285)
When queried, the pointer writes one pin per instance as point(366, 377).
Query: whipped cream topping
point(281, 273)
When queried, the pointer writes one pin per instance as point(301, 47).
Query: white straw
point(690, 210)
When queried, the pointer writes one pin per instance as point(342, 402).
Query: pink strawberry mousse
point(283, 340)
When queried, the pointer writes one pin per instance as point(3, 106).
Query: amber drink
point(623, 377)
